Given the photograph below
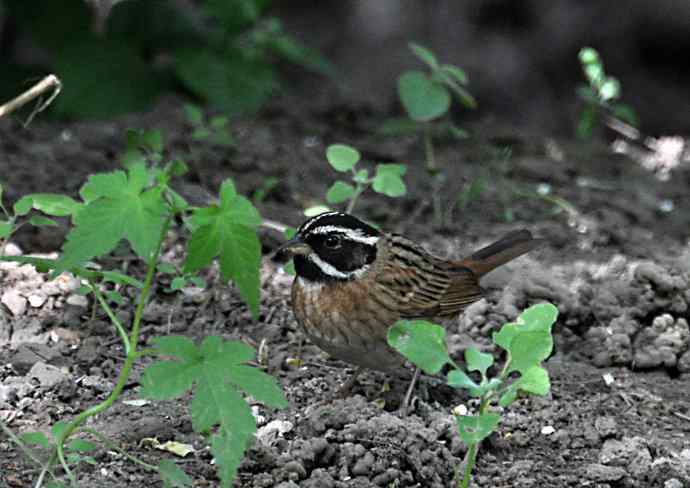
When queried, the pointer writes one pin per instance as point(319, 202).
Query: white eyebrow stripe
point(309, 224)
point(353, 234)
point(330, 270)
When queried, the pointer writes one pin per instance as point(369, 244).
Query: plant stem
point(429, 151)
point(111, 315)
point(472, 451)
point(131, 356)
point(117, 448)
point(359, 189)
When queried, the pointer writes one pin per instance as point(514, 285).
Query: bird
point(353, 282)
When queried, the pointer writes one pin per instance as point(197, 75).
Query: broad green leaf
point(258, 384)
point(35, 438)
point(595, 74)
point(421, 342)
point(80, 445)
point(509, 396)
point(172, 475)
point(610, 89)
point(58, 428)
point(339, 192)
point(423, 98)
point(166, 380)
point(475, 428)
point(23, 205)
point(388, 179)
point(534, 380)
point(194, 114)
point(342, 157)
point(116, 209)
point(459, 379)
point(5, 228)
point(178, 283)
point(54, 204)
point(40, 221)
point(588, 55)
point(478, 361)
point(228, 231)
point(424, 54)
point(228, 448)
point(179, 346)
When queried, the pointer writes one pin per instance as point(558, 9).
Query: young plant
point(527, 343)
point(426, 98)
point(138, 206)
point(214, 131)
point(599, 95)
point(387, 179)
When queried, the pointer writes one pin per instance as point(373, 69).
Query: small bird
point(354, 282)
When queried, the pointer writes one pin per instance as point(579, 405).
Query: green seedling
point(527, 343)
point(137, 206)
point(214, 131)
point(599, 95)
point(387, 179)
point(426, 98)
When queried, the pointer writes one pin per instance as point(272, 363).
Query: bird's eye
point(332, 242)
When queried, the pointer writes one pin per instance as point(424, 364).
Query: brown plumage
point(353, 283)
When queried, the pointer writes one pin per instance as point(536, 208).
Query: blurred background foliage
point(119, 56)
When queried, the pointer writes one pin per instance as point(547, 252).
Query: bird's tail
point(507, 248)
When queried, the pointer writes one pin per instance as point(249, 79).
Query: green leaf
point(588, 55)
point(167, 268)
point(610, 89)
point(626, 113)
point(509, 396)
point(421, 342)
point(81, 445)
point(178, 283)
point(116, 209)
point(315, 210)
point(194, 114)
point(179, 346)
point(53, 204)
point(228, 231)
point(35, 438)
point(424, 54)
point(423, 98)
point(218, 122)
point(95, 85)
point(388, 179)
point(58, 428)
point(40, 221)
point(342, 157)
point(23, 205)
point(153, 140)
point(361, 176)
point(475, 428)
point(534, 380)
point(455, 73)
point(172, 475)
point(459, 379)
point(115, 297)
point(197, 281)
point(166, 380)
point(230, 81)
point(5, 228)
point(291, 50)
point(121, 279)
point(339, 192)
point(478, 361)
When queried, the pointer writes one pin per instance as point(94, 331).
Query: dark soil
point(617, 268)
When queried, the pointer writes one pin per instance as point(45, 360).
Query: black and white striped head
point(332, 246)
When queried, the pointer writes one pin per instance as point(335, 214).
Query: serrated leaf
point(388, 180)
point(229, 231)
point(80, 445)
point(421, 342)
point(478, 361)
point(475, 428)
point(342, 157)
point(179, 346)
point(258, 384)
point(339, 192)
point(53, 204)
point(424, 54)
point(35, 438)
point(172, 475)
point(423, 98)
point(113, 213)
point(166, 380)
point(40, 221)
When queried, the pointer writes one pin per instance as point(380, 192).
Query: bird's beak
point(293, 247)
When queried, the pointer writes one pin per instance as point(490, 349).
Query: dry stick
point(50, 82)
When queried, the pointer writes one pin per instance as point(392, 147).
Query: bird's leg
point(347, 386)
point(408, 396)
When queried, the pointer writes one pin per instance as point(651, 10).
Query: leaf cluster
point(122, 58)
point(599, 94)
point(527, 343)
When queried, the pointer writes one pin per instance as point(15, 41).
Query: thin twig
point(50, 82)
